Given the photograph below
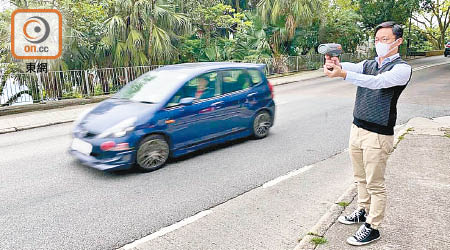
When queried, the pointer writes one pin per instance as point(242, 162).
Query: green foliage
point(84, 29)
point(339, 22)
point(318, 240)
point(306, 40)
point(98, 89)
point(70, 91)
point(375, 12)
point(343, 204)
point(283, 18)
point(5, 36)
point(418, 39)
point(116, 33)
point(142, 32)
point(219, 21)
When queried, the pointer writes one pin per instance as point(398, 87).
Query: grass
point(313, 234)
point(447, 132)
point(401, 137)
point(343, 204)
point(319, 240)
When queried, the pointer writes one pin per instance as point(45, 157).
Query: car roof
point(201, 67)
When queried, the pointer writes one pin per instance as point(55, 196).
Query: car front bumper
point(122, 161)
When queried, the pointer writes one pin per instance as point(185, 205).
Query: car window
point(201, 87)
point(255, 76)
point(153, 86)
point(235, 80)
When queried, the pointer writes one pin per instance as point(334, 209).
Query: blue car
point(172, 111)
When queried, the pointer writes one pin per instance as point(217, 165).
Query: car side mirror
point(187, 101)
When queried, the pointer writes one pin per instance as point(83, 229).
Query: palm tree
point(141, 32)
point(285, 16)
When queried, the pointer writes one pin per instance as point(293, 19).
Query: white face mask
point(383, 48)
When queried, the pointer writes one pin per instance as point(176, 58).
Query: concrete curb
point(305, 79)
point(17, 129)
point(50, 105)
point(327, 220)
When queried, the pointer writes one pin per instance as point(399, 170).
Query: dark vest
point(376, 109)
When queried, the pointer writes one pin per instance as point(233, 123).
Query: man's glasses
point(383, 39)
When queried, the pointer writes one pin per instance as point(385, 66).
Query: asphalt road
point(49, 201)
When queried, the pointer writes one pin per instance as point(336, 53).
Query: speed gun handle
point(331, 49)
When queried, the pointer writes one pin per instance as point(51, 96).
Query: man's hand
point(334, 60)
point(336, 72)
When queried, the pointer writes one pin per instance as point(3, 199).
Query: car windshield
point(152, 87)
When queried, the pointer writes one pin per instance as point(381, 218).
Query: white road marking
point(287, 176)
point(429, 66)
point(202, 214)
point(167, 230)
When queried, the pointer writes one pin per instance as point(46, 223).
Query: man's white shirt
point(399, 75)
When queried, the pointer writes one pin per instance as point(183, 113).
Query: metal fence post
point(86, 83)
point(40, 88)
point(297, 62)
point(126, 74)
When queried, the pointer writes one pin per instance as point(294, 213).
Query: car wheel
point(152, 153)
point(261, 124)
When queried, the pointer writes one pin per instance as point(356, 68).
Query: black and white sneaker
point(364, 235)
point(358, 216)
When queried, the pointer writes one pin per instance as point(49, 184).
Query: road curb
point(327, 220)
point(11, 110)
point(17, 129)
point(305, 79)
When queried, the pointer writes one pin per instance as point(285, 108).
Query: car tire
point(152, 153)
point(261, 124)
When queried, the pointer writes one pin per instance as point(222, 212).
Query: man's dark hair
point(396, 28)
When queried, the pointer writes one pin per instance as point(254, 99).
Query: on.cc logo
point(36, 34)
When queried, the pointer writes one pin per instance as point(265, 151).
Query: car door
point(253, 96)
point(235, 89)
point(189, 125)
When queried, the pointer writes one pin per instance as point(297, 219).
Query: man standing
point(380, 83)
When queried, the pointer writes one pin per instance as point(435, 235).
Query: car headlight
point(119, 129)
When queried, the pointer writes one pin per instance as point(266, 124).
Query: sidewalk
point(59, 114)
point(418, 186)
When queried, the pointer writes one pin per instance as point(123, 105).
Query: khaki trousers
point(369, 153)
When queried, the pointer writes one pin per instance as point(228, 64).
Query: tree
point(219, 34)
point(83, 30)
point(430, 13)
point(142, 32)
point(219, 20)
point(284, 17)
point(339, 22)
point(375, 12)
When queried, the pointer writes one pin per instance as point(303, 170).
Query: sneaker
point(364, 235)
point(357, 216)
